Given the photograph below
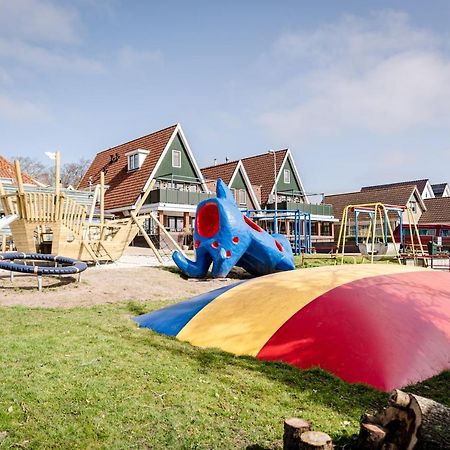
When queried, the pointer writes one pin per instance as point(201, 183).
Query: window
point(287, 176)
point(133, 162)
point(242, 197)
point(413, 205)
point(176, 158)
point(135, 158)
point(445, 233)
point(427, 232)
point(326, 229)
point(175, 224)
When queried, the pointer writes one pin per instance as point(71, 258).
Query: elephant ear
point(223, 192)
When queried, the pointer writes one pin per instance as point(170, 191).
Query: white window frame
point(287, 176)
point(176, 152)
point(133, 162)
point(242, 197)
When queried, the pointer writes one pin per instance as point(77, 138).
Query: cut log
point(293, 428)
point(410, 422)
point(315, 440)
point(371, 437)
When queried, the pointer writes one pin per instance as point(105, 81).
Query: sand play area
point(137, 276)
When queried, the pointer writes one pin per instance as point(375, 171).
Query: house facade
point(268, 185)
point(164, 157)
point(246, 195)
point(430, 204)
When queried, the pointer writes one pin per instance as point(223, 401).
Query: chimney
point(215, 161)
point(226, 159)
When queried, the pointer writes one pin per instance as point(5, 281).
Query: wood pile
point(409, 422)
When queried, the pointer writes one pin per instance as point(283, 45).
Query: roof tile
point(125, 186)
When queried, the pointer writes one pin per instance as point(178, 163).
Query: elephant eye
point(208, 220)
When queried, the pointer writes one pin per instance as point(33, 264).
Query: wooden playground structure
point(70, 228)
point(379, 242)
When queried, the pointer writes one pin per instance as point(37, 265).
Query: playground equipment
point(67, 227)
point(384, 325)
point(225, 237)
point(378, 241)
point(301, 221)
point(62, 265)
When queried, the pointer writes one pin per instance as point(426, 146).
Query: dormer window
point(136, 158)
point(176, 158)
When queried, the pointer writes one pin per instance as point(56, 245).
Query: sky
point(358, 90)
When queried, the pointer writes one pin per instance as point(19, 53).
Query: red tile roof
point(224, 171)
point(395, 195)
point(419, 183)
point(438, 211)
point(7, 171)
point(260, 171)
point(125, 187)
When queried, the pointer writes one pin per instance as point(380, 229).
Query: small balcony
point(177, 196)
point(319, 210)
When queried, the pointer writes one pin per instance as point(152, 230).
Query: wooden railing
point(47, 207)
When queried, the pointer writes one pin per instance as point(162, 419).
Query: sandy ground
point(136, 276)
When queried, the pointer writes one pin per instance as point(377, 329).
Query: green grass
point(89, 378)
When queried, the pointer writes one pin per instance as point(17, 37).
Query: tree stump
point(371, 437)
point(293, 428)
point(410, 422)
point(315, 440)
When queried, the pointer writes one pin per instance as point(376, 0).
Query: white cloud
point(43, 58)
point(21, 110)
point(381, 74)
point(38, 20)
point(129, 58)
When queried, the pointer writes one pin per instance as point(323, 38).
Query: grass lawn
point(89, 378)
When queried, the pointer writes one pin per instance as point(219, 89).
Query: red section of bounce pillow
point(253, 225)
point(208, 220)
point(386, 331)
point(279, 246)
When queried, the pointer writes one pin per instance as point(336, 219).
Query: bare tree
point(34, 168)
point(72, 173)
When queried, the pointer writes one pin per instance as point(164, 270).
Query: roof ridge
point(221, 164)
point(138, 138)
point(265, 153)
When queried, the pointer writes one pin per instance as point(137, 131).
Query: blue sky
point(359, 91)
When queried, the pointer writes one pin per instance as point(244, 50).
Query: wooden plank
point(6, 200)
point(146, 237)
point(141, 202)
point(102, 199)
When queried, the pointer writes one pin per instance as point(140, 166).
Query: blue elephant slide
point(224, 237)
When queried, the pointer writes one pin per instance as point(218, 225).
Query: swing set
point(376, 240)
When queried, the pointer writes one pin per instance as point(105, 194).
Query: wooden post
point(141, 201)
point(146, 237)
point(94, 202)
point(20, 198)
point(19, 176)
point(57, 185)
point(7, 204)
point(102, 200)
point(293, 429)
